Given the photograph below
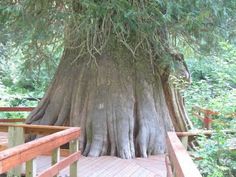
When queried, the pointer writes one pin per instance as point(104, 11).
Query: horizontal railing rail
point(181, 163)
point(187, 137)
point(16, 109)
point(12, 120)
point(201, 132)
point(33, 129)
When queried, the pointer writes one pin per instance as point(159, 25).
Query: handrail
point(33, 129)
point(206, 116)
point(205, 111)
point(12, 120)
point(182, 164)
point(12, 157)
point(187, 137)
point(50, 144)
point(201, 132)
point(16, 109)
point(30, 150)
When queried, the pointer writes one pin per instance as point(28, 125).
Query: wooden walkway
point(177, 160)
point(107, 166)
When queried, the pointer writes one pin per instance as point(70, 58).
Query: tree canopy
point(40, 25)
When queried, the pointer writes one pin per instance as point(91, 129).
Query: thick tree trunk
point(174, 100)
point(121, 106)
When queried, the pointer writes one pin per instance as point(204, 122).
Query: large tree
point(120, 73)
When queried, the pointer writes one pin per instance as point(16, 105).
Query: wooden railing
point(33, 129)
point(178, 161)
point(10, 158)
point(4, 141)
point(187, 137)
point(14, 109)
point(19, 152)
point(205, 115)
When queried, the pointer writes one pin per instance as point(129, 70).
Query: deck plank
point(116, 168)
point(142, 172)
point(130, 169)
point(152, 163)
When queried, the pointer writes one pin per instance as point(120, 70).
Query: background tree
point(120, 72)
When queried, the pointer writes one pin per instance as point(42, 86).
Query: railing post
point(169, 166)
point(74, 147)
point(31, 168)
point(55, 157)
point(184, 140)
point(15, 137)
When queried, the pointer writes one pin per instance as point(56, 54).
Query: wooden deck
point(107, 166)
point(176, 163)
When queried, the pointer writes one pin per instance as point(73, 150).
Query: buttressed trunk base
point(120, 105)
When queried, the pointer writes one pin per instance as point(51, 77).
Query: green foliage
point(19, 80)
point(39, 23)
point(214, 87)
point(20, 85)
point(215, 159)
point(29, 35)
point(23, 80)
point(214, 84)
point(33, 33)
